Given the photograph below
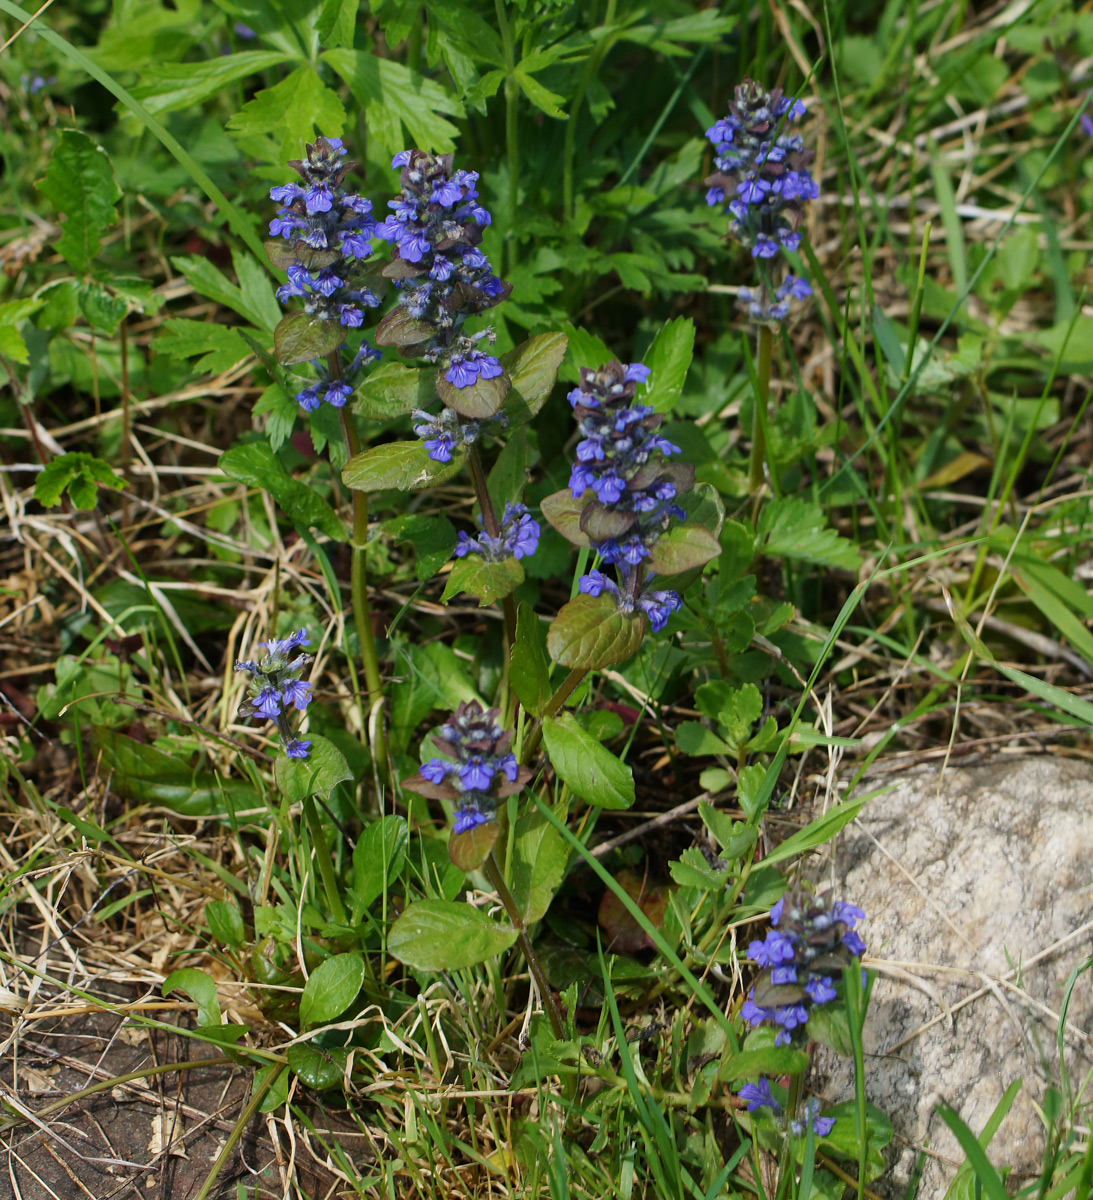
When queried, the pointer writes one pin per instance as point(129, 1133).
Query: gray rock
point(978, 889)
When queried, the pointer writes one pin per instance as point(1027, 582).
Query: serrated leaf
point(668, 360)
point(533, 368)
point(331, 988)
point(256, 465)
point(171, 86)
point(542, 97)
point(12, 315)
point(393, 390)
point(299, 338)
point(79, 474)
point(80, 183)
point(402, 465)
point(589, 633)
point(290, 111)
point(338, 22)
point(317, 775)
point(588, 769)
point(444, 935)
point(734, 838)
point(529, 667)
point(390, 95)
point(683, 548)
point(218, 346)
point(796, 528)
point(488, 581)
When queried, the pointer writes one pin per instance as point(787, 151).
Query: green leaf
point(539, 861)
point(391, 94)
point(533, 368)
point(256, 301)
point(79, 474)
point(564, 511)
point(693, 738)
point(529, 667)
point(750, 792)
point(299, 338)
point(102, 309)
point(278, 1092)
point(282, 407)
point(80, 183)
point(584, 350)
point(220, 347)
point(470, 848)
point(683, 548)
point(433, 539)
point(589, 633)
point(734, 838)
point(443, 935)
point(290, 112)
point(393, 390)
point(692, 870)
point(331, 988)
point(402, 465)
point(823, 829)
point(12, 315)
point(828, 1025)
point(510, 470)
point(317, 1067)
point(338, 22)
point(590, 770)
point(481, 400)
point(201, 990)
point(318, 774)
point(378, 857)
point(542, 97)
point(256, 465)
point(226, 922)
point(434, 677)
point(489, 581)
point(668, 360)
point(796, 528)
point(772, 1060)
point(171, 86)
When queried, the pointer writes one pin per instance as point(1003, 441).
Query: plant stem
point(326, 861)
point(512, 144)
point(358, 584)
point(565, 689)
point(493, 871)
point(762, 401)
point(257, 1096)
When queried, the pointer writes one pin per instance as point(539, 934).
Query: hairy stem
point(762, 402)
point(493, 872)
point(358, 584)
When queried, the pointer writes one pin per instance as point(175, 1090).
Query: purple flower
point(820, 989)
point(476, 774)
point(774, 949)
point(319, 198)
point(337, 394)
point(853, 943)
point(821, 1126)
point(781, 976)
point(297, 693)
point(790, 1016)
point(776, 911)
point(468, 818)
point(400, 159)
point(764, 247)
point(350, 316)
point(1086, 122)
point(461, 373)
point(267, 703)
point(436, 770)
point(759, 1096)
point(440, 448)
point(595, 583)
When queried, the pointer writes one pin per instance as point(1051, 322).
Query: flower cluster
point(478, 768)
point(801, 956)
point(328, 230)
point(622, 469)
point(445, 432)
point(759, 1096)
point(275, 687)
point(335, 392)
point(518, 537)
point(443, 277)
point(763, 168)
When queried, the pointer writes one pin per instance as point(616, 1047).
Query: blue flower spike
point(274, 687)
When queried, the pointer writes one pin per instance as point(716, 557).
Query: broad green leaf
point(590, 770)
point(683, 548)
point(390, 94)
point(331, 988)
point(564, 511)
point(12, 315)
point(80, 474)
point(289, 112)
point(510, 470)
point(80, 183)
point(590, 633)
point(692, 870)
point(443, 935)
point(317, 1067)
point(668, 359)
point(539, 861)
point(529, 667)
point(171, 86)
point(482, 400)
point(693, 738)
point(470, 848)
point(584, 350)
point(432, 676)
point(278, 1092)
point(433, 539)
point(823, 829)
point(402, 465)
point(488, 581)
point(338, 22)
point(378, 857)
point(101, 308)
point(793, 527)
point(828, 1026)
point(299, 338)
point(773, 1060)
point(393, 390)
point(256, 465)
point(317, 775)
point(533, 368)
point(201, 990)
point(226, 922)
